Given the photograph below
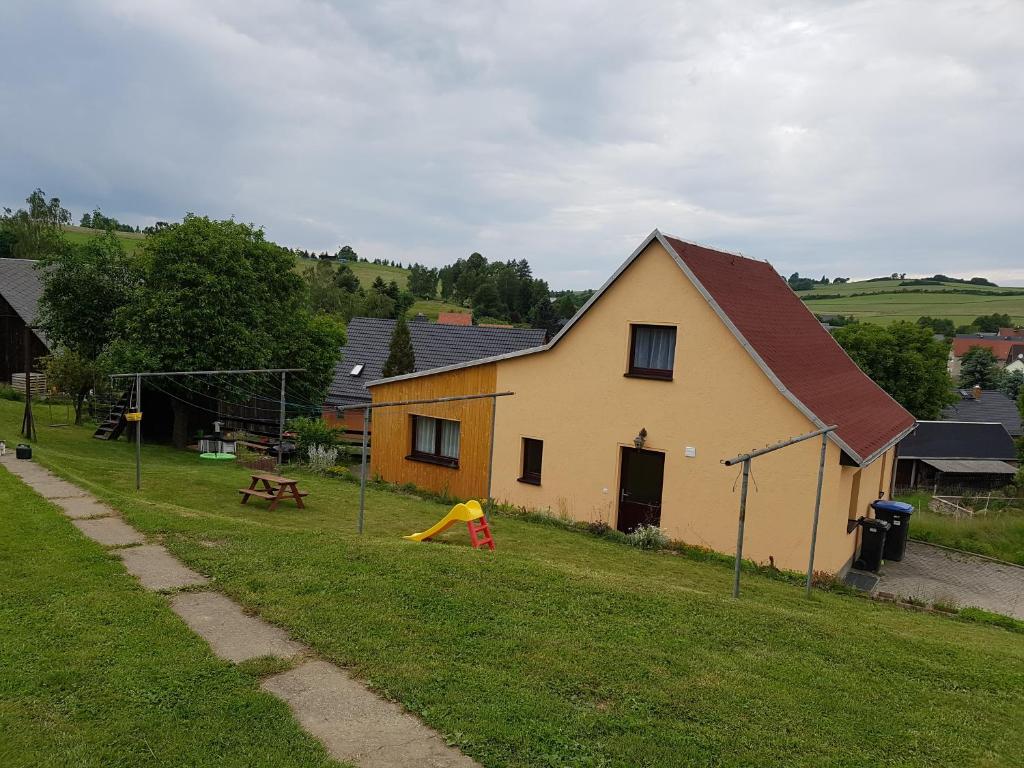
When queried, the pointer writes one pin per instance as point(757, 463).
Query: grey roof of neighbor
point(957, 440)
point(21, 288)
point(992, 406)
point(435, 345)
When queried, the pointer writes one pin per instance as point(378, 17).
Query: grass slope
point(912, 302)
point(130, 240)
point(97, 672)
point(561, 649)
point(998, 534)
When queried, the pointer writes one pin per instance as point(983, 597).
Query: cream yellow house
point(686, 356)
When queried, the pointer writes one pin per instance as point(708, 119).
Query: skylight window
point(356, 370)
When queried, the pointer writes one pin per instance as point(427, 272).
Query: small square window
point(356, 370)
point(436, 441)
point(652, 351)
point(533, 454)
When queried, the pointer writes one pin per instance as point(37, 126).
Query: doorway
point(640, 482)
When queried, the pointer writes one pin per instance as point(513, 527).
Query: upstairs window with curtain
point(435, 441)
point(652, 351)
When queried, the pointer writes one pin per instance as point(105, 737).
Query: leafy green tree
point(487, 302)
point(84, 285)
point(346, 280)
point(979, 367)
point(37, 231)
point(218, 295)
point(74, 374)
point(543, 316)
point(376, 304)
point(565, 306)
point(941, 325)
point(1013, 384)
point(992, 323)
point(905, 361)
point(401, 357)
point(422, 281)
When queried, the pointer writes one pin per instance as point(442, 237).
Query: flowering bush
point(321, 458)
point(647, 537)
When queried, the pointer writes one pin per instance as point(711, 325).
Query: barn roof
point(434, 345)
point(958, 440)
point(21, 288)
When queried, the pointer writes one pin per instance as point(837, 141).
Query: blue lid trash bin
point(897, 514)
point(872, 544)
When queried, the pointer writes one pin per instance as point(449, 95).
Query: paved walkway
point(354, 724)
point(937, 574)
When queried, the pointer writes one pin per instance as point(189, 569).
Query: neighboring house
point(20, 290)
point(455, 318)
point(1015, 360)
point(368, 342)
point(1002, 345)
point(685, 357)
point(985, 406)
point(961, 454)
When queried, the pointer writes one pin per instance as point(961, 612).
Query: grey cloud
point(851, 138)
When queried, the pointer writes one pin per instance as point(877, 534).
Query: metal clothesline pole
point(367, 411)
point(138, 432)
point(745, 459)
point(280, 425)
point(817, 510)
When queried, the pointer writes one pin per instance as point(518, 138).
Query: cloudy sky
point(852, 138)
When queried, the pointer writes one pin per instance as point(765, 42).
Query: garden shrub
point(321, 458)
point(647, 537)
point(313, 431)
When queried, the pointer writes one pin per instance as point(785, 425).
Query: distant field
point(911, 302)
point(130, 240)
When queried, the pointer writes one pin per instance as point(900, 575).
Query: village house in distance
point(686, 356)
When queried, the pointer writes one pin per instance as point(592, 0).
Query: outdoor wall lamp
point(641, 439)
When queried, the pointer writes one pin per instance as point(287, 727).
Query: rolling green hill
point(884, 301)
point(131, 240)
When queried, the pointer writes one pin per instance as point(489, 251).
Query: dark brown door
point(640, 488)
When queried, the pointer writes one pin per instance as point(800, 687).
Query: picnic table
point(274, 488)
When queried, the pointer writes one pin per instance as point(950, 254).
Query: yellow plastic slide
point(460, 513)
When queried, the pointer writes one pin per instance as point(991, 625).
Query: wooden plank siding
point(392, 429)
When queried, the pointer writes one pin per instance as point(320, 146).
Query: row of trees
point(336, 291)
point(97, 220)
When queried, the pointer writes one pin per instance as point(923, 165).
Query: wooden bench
point(274, 489)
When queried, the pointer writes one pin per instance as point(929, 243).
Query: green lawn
point(562, 649)
point(998, 534)
point(96, 672)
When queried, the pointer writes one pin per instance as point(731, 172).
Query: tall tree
point(84, 286)
point(401, 357)
point(36, 231)
point(903, 359)
point(218, 295)
point(345, 279)
point(543, 316)
point(979, 368)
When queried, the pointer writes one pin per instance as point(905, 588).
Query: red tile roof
point(1000, 347)
point(455, 318)
point(796, 350)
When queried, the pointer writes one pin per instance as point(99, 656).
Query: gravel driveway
point(936, 574)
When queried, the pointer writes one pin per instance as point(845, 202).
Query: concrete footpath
point(354, 724)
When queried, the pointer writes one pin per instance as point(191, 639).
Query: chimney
point(976, 391)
